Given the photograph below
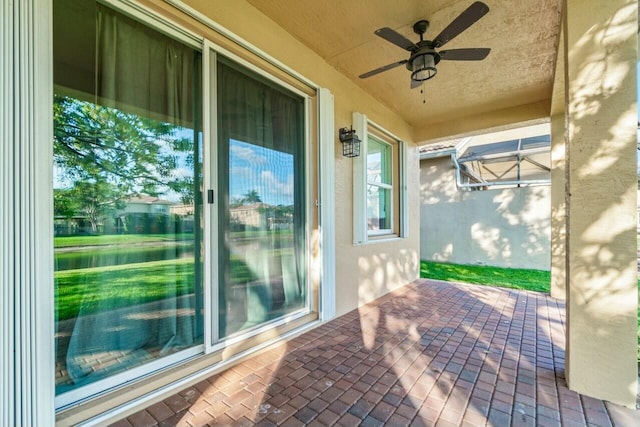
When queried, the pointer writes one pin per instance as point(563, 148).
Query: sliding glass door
point(127, 186)
point(133, 239)
point(262, 243)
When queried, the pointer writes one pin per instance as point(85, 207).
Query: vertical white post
point(327, 180)
point(360, 230)
point(7, 377)
point(26, 215)
point(404, 189)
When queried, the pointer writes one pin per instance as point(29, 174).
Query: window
point(379, 184)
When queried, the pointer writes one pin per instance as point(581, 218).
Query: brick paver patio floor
point(431, 353)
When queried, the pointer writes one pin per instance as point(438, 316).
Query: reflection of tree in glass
point(95, 200)
point(108, 155)
point(251, 197)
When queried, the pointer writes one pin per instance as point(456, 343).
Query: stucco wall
point(499, 227)
point(364, 272)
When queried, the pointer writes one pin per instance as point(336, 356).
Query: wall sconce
point(350, 142)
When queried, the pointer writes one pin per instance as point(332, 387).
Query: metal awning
point(517, 162)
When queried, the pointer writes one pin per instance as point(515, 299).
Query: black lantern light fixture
point(350, 142)
point(423, 66)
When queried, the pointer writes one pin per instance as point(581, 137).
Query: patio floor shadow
point(430, 353)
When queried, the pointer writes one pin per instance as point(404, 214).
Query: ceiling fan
point(424, 54)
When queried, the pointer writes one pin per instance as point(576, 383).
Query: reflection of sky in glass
point(374, 161)
point(269, 172)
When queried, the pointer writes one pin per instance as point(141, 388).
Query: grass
point(513, 278)
point(99, 289)
point(117, 239)
point(128, 239)
point(107, 288)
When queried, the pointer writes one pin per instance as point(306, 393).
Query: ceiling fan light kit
point(424, 56)
point(423, 67)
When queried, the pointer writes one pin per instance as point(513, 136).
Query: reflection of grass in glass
point(107, 288)
point(125, 249)
point(261, 233)
point(84, 257)
point(114, 239)
point(240, 272)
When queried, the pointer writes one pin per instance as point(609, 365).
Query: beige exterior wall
point(601, 109)
point(501, 227)
point(363, 272)
point(558, 208)
point(558, 179)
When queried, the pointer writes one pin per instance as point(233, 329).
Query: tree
point(251, 197)
point(109, 155)
point(98, 200)
point(65, 204)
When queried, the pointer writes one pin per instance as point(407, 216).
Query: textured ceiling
point(522, 35)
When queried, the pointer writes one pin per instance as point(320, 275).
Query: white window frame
point(361, 233)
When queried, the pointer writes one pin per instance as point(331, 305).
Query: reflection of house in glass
point(248, 215)
point(262, 216)
point(71, 226)
point(139, 214)
point(146, 204)
point(183, 216)
point(143, 214)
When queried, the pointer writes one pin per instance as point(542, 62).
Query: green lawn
point(128, 239)
point(105, 288)
point(117, 239)
point(100, 289)
point(514, 278)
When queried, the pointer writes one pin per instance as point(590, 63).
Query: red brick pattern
point(429, 354)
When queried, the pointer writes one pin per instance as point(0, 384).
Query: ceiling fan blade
point(381, 69)
point(466, 19)
point(472, 54)
point(396, 38)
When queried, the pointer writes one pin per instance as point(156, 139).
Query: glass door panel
point(262, 250)
point(127, 185)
